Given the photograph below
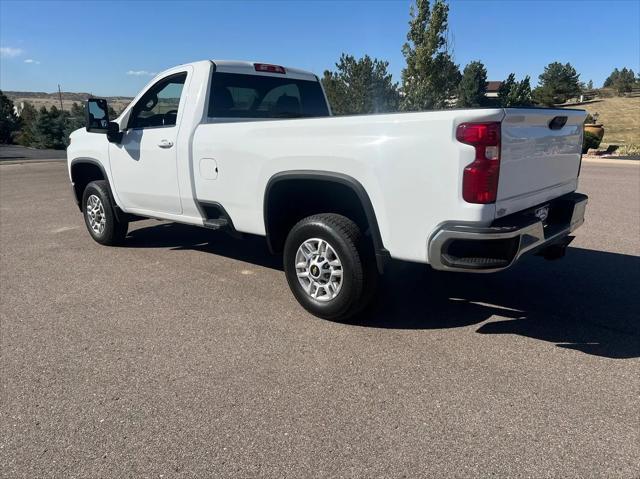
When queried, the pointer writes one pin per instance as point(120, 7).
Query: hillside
point(39, 99)
point(620, 117)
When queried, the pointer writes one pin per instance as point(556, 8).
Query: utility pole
point(60, 98)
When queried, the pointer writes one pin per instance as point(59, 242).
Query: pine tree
point(608, 83)
point(622, 81)
point(522, 95)
point(75, 119)
point(28, 116)
point(473, 86)
point(505, 89)
point(360, 86)
point(42, 129)
point(9, 121)
point(558, 83)
point(514, 93)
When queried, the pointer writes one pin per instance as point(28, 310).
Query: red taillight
point(480, 179)
point(264, 67)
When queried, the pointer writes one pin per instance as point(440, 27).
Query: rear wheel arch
point(289, 197)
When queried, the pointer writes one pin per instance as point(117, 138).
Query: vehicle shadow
point(588, 301)
point(175, 236)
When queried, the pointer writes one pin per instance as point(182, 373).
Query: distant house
point(492, 93)
point(17, 109)
point(492, 89)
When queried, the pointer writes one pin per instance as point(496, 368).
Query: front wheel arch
point(85, 170)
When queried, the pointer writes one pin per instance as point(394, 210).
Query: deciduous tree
point(431, 78)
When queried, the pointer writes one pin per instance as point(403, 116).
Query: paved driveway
point(184, 354)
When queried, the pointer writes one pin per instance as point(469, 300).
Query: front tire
point(99, 217)
point(329, 267)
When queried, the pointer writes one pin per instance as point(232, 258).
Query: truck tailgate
point(540, 157)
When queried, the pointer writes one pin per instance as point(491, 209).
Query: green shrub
point(589, 141)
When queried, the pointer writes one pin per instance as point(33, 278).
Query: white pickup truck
point(252, 148)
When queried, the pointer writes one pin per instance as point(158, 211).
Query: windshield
point(235, 95)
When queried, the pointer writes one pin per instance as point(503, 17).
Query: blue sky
point(107, 48)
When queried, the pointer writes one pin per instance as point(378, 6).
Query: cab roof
point(249, 68)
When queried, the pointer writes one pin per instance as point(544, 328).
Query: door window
point(159, 105)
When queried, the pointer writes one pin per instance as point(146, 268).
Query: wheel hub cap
point(319, 269)
point(95, 214)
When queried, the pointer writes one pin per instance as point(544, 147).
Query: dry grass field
point(40, 99)
point(620, 117)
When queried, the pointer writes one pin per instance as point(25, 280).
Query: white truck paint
point(410, 166)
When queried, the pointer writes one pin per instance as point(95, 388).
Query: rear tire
point(329, 266)
point(99, 217)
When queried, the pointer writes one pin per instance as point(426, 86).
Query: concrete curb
point(26, 161)
point(609, 161)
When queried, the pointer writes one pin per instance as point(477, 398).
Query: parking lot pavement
point(184, 354)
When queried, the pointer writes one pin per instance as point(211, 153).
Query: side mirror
point(97, 115)
point(114, 135)
point(97, 120)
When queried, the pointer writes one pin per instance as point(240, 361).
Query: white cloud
point(10, 52)
point(31, 60)
point(141, 73)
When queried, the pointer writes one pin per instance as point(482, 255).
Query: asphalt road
point(183, 354)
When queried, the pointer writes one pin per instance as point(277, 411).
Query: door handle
point(165, 144)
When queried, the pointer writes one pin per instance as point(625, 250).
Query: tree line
point(622, 81)
point(432, 80)
point(40, 128)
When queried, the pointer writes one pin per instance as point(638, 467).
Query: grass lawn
point(620, 117)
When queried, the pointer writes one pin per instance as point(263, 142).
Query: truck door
point(143, 165)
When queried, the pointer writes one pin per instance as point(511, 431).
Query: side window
point(159, 105)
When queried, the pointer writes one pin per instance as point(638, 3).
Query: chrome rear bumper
point(468, 248)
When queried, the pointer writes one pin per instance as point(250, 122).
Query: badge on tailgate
point(542, 213)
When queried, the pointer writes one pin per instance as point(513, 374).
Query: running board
point(217, 224)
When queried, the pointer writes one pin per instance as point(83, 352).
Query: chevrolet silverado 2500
point(252, 148)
